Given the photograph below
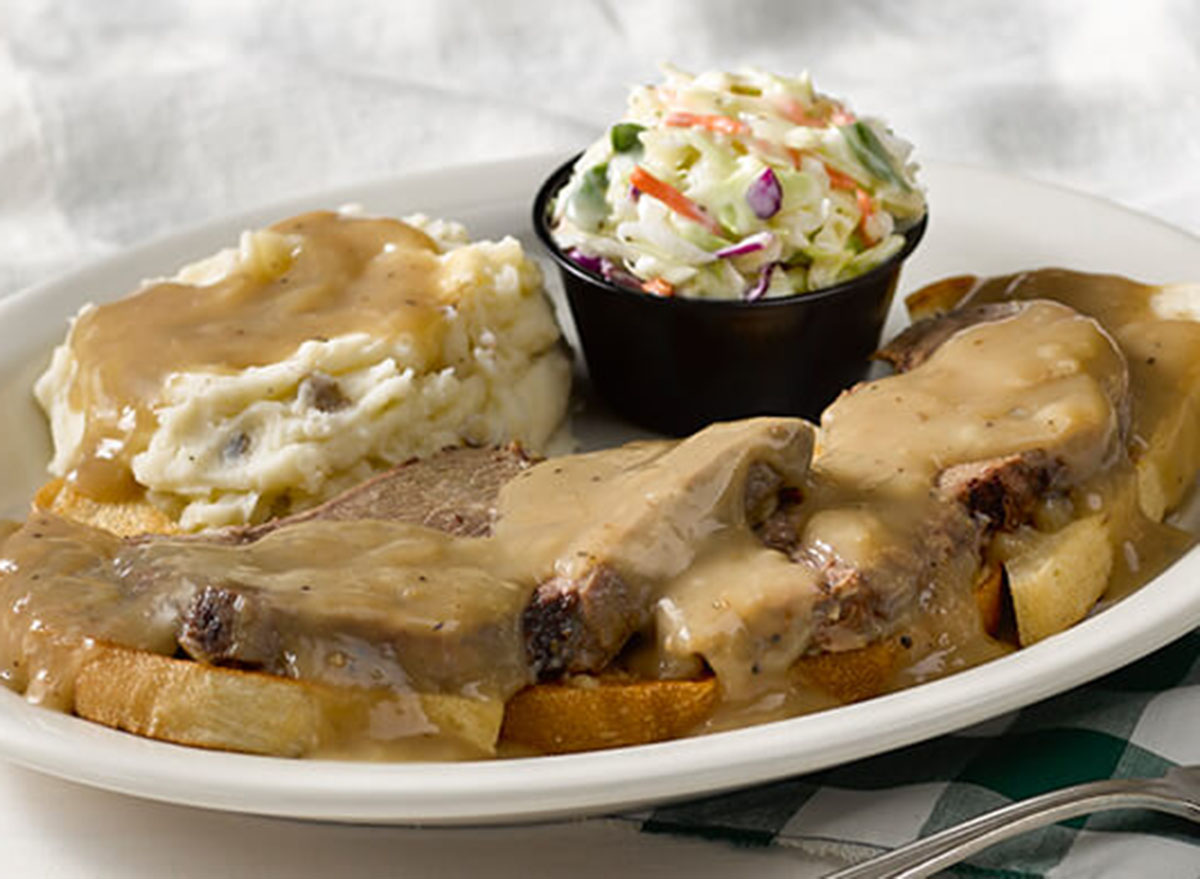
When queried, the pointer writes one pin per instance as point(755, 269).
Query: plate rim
point(492, 792)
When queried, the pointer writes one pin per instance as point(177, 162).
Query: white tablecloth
point(123, 120)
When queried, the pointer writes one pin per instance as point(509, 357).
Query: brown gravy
point(332, 275)
point(1158, 331)
point(669, 516)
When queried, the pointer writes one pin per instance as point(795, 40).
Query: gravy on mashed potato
point(325, 348)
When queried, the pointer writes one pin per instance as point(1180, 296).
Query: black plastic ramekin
point(676, 364)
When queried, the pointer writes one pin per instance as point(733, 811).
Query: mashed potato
point(479, 361)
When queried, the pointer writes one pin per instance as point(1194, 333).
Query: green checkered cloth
point(1138, 721)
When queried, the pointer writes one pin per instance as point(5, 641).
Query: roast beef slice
point(1003, 490)
point(575, 622)
point(581, 618)
point(914, 345)
point(453, 491)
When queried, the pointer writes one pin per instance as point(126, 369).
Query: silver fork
point(1176, 793)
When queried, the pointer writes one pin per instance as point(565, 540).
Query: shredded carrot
point(866, 206)
point(838, 180)
point(793, 112)
point(710, 121)
point(674, 199)
point(659, 287)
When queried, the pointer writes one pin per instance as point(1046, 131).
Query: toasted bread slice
point(1164, 361)
point(1056, 578)
point(204, 706)
point(588, 714)
point(852, 675)
point(939, 297)
point(989, 597)
point(125, 518)
point(190, 704)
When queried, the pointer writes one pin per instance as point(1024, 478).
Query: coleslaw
point(743, 185)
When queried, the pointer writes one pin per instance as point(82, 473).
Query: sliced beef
point(849, 614)
point(862, 589)
point(576, 621)
point(207, 629)
point(728, 474)
point(453, 491)
point(371, 638)
point(780, 528)
point(223, 626)
point(913, 346)
point(762, 492)
point(899, 552)
point(1003, 491)
point(579, 624)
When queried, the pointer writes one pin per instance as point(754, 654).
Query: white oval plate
point(981, 222)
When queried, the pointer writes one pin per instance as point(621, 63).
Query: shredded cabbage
point(725, 156)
